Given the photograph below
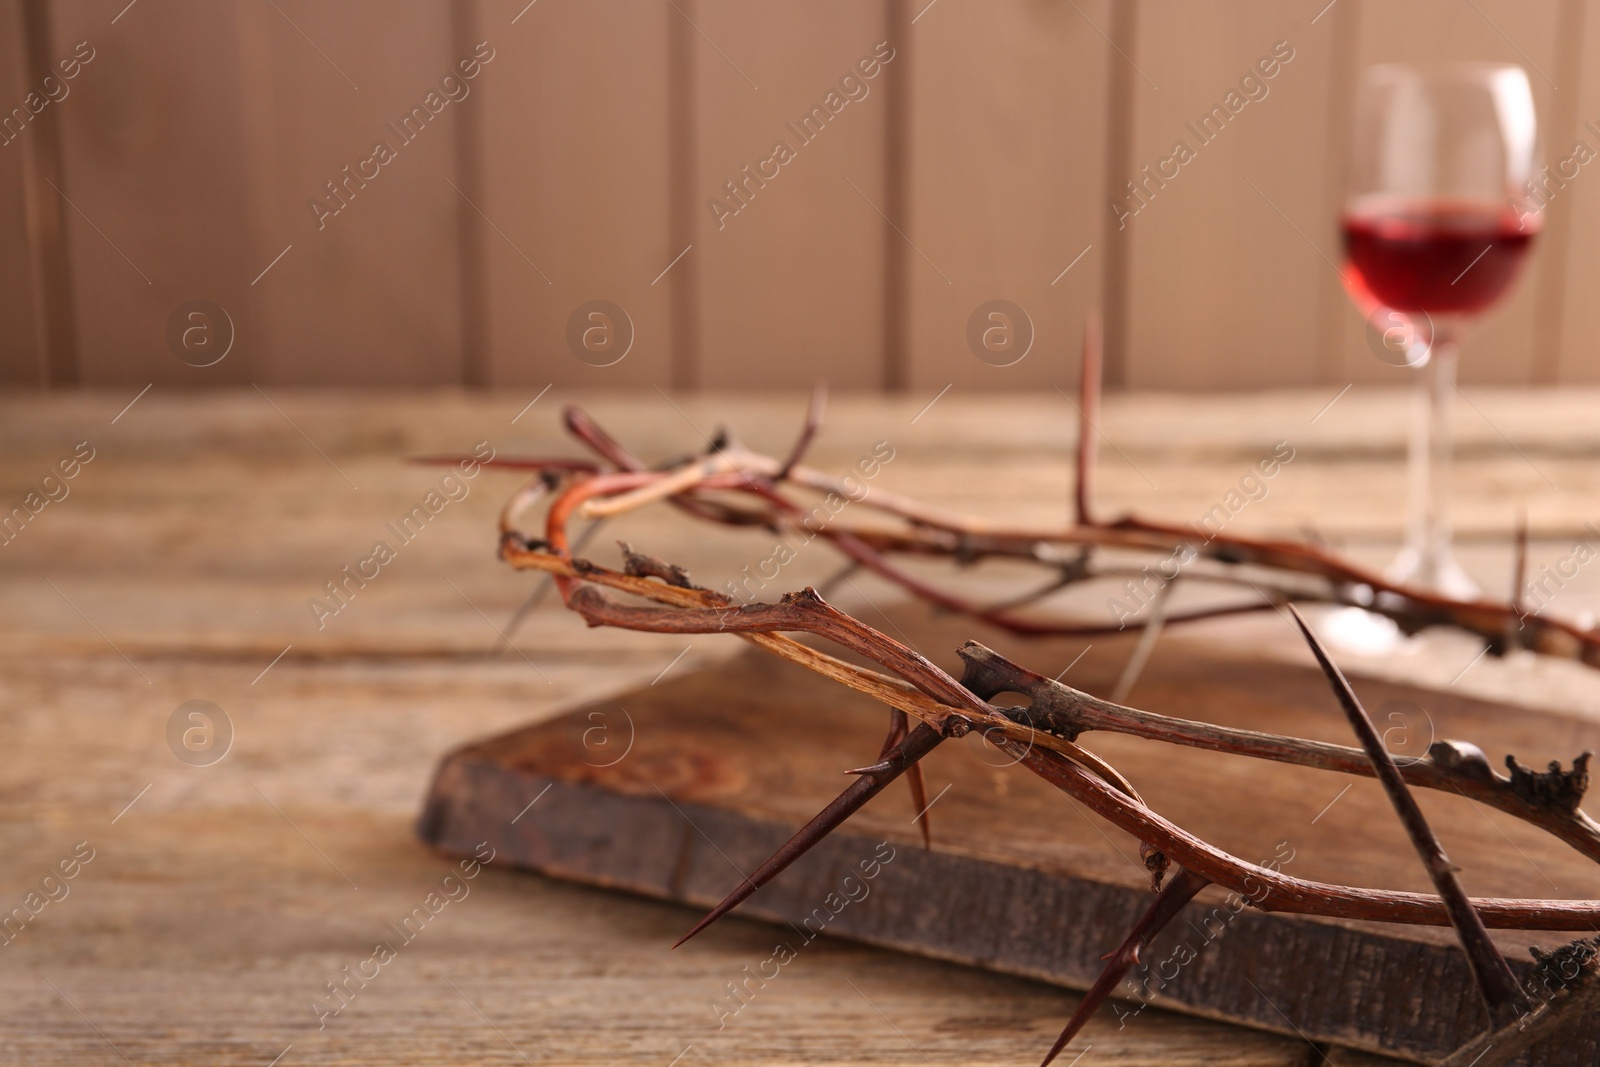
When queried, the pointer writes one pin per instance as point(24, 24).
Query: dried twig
point(813, 423)
point(1089, 377)
point(1449, 765)
point(1519, 577)
point(899, 727)
point(1148, 636)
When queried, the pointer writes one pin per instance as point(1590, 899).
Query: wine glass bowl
point(1442, 257)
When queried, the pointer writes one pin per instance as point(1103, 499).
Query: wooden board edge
point(1013, 920)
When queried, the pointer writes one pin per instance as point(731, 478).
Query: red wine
point(1437, 256)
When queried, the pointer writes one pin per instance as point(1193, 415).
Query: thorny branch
point(1272, 571)
point(731, 485)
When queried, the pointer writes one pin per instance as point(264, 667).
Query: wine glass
point(1437, 221)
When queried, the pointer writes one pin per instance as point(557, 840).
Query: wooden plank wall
point(604, 201)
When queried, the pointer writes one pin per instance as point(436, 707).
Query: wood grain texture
point(207, 923)
point(215, 909)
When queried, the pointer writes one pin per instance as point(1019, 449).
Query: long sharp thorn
point(1518, 578)
point(829, 585)
point(919, 797)
point(585, 429)
point(1502, 995)
point(819, 396)
point(917, 743)
point(1147, 643)
point(898, 725)
point(881, 767)
point(1088, 406)
point(1178, 892)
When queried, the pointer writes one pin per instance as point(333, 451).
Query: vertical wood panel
point(683, 129)
point(791, 287)
point(371, 294)
point(574, 159)
point(1579, 204)
point(1229, 250)
point(1114, 275)
point(46, 212)
point(1563, 128)
point(152, 164)
point(1008, 164)
point(472, 257)
point(1500, 349)
point(899, 109)
point(22, 360)
point(39, 346)
point(1333, 303)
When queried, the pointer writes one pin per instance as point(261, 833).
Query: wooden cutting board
point(676, 789)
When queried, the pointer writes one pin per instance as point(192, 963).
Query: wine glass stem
point(1430, 462)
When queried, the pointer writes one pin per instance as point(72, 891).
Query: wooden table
point(221, 899)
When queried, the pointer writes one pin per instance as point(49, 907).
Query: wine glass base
point(1360, 632)
point(1436, 572)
